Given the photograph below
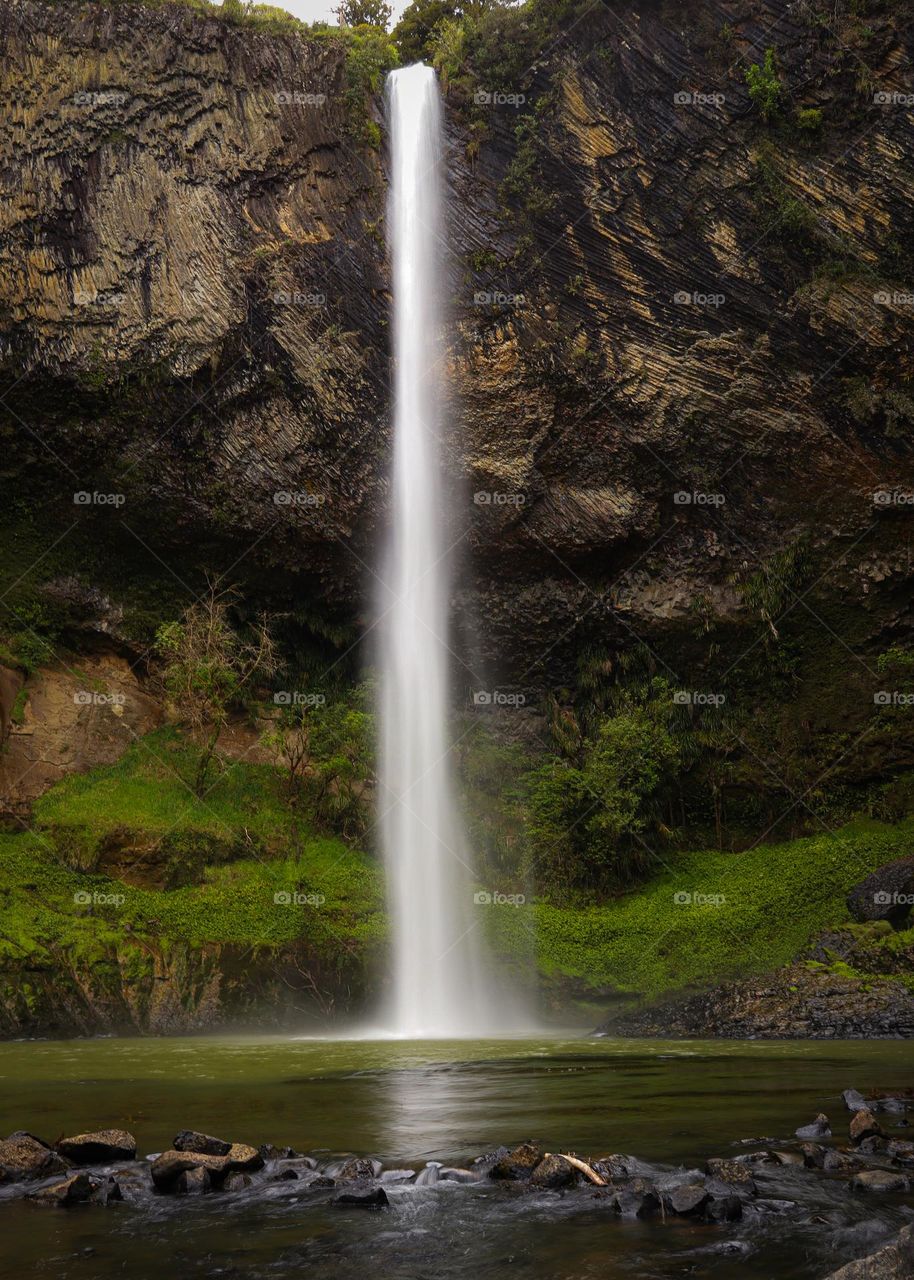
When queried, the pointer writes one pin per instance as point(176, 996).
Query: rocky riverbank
point(760, 1182)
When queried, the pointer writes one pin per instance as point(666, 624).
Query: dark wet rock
point(772, 1205)
point(322, 1181)
point(879, 1180)
point(518, 1164)
point(553, 1172)
point(725, 1209)
point(839, 1161)
point(237, 1182)
point(884, 895)
point(362, 1197)
point(193, 1182)
point(284, 1175)
point(894, 1261)
point(688, 1200)
point(820, 1128)
point(864, 1125)
point(451, 1174)
point(24, 1157)
point(202, 1144)
point(901, 1153)
point(98, 1148)
point(358, 1168)
point(615, 1167)
point(873, 1147)
point(730, 1171)
point(407, 1175)
point(78, 1189)
point(168, 1167)
point(638, 1198)
point(108, 1191)
point(853, 1100)
point(813, 1154)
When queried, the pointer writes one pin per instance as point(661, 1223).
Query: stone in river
point(637, 1199)
point(893, 1262)
point(98, 1148)
point(853, 1100)
point(879, 1180)
point(687, 1200)
point(193, 1182)
point(552, 1172)
point(788, 1158)
point(23, 1156)
point(725, 1209)
point(362, 1197)
point(407, 1175)
point(201, 1144)
point(820, 1128)
point(76, 1190)
point(518, 1164)
point(168, 1167)
point(451, 1174)
point(732, 1171)
point(865, 1125)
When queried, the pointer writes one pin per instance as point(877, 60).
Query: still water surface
point(673, 1104)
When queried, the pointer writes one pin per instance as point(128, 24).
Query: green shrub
point(764, 84)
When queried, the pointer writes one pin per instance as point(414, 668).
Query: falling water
point(440, 987)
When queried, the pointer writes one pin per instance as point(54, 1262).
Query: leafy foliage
point(764, 84)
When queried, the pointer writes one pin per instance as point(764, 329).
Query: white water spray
point(440, 982)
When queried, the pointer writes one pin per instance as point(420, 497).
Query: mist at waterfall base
point(443, 982)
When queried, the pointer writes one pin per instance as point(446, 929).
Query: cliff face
point(683, 336)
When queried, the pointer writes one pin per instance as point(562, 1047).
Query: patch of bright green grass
point(756, 911)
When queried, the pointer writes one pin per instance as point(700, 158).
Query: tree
point(764, 85)
point(208, 665)
point(365, 13)
point(413, 34)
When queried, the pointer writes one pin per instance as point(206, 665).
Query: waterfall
point(441, 979)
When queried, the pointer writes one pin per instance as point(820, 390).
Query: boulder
point(202, 1144)
point(894, 1261)
point(516, 1165)
point(108, 1191)
point(839, 1161)
point(168, 1167)
point(237, 1182)
point(553, 1172)
point(687, 1200)
point(864, 1125)
point(362, 1197)
point(901, 1153)
point(615, 1167)
point(270, 1152)
point(813, 1155)
point(284, 1175)
point(887, 894)
point(853, 1100)
point(724, 1209)
point(794, 1158)
point(98, 1148)
point(24, 1157)
point(193, 1182)
point(75, 1190)
point(736, 1172)
point(879, 1180)
point(820, 1128)
point(638, 1198)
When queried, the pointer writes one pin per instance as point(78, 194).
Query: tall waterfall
point(440, 987)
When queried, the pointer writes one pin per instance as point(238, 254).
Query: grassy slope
point(40, 871)
point(776, 898)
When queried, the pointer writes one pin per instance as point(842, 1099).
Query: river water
point(672, 1104)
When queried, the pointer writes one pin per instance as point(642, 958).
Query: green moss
point(749, 913)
